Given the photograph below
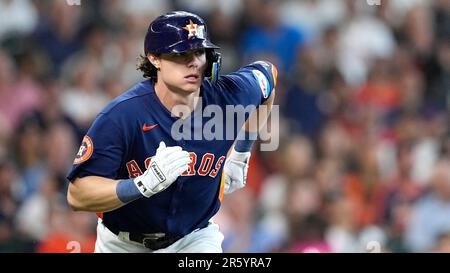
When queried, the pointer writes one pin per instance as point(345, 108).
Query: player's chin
point(191, 87)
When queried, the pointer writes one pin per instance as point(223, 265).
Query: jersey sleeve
point(250, 85)
point(101, 151)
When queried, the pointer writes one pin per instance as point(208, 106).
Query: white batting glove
point(163, 170)
point(235, 171)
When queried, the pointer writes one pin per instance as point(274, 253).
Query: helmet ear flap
point(214, 64)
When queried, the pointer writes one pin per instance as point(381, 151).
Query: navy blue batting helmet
point(181, 31)
point(177, 32)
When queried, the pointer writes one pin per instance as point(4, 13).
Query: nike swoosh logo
point(147, 128)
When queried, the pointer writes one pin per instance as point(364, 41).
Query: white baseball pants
point(205, 240)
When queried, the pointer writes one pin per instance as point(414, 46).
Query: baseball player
point(154, 192)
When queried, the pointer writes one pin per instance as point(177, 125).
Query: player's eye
point(199, 52)
point(180, 55)
point(187, 56)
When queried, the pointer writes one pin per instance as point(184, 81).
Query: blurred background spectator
point(364, 95)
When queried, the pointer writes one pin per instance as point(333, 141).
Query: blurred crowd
point(364, 96)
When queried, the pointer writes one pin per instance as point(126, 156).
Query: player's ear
point(154, 60)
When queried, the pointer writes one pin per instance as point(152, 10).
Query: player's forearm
point(93, 193)
point(236, 165)
point(256, 121)
point(259, 117)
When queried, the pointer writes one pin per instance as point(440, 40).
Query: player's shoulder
point(128, 101)
point(262, 64)
point(256, 70)
point(260, 73)
point(265, 67)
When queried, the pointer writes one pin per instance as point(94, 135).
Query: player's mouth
point(192, 78)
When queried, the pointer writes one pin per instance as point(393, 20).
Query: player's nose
point(194, 60)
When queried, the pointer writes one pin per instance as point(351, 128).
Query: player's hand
point(235, 171)
point(163, 170)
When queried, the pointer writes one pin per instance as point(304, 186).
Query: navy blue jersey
point(126, 134)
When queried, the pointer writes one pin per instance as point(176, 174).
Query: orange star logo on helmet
point(195, 30)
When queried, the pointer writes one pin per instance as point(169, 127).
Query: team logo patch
point(263, 82)
point(195, 30)
point(85, 151)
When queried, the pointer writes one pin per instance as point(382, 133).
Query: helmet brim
point(188, 45)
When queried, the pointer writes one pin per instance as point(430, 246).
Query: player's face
point(183, 71)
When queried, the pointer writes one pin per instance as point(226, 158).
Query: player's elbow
point(74, 197)
point(74, 205)
point(271, 97)
point(72, 200)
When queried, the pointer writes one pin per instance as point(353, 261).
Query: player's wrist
point(127, 191)
point(239, 156)
point(147, 184)
point(245, 141)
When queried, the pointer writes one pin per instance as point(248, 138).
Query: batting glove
point(163, 170)
point(235, 171)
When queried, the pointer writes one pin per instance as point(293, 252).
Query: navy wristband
point(244, 141)
point(127, 191)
